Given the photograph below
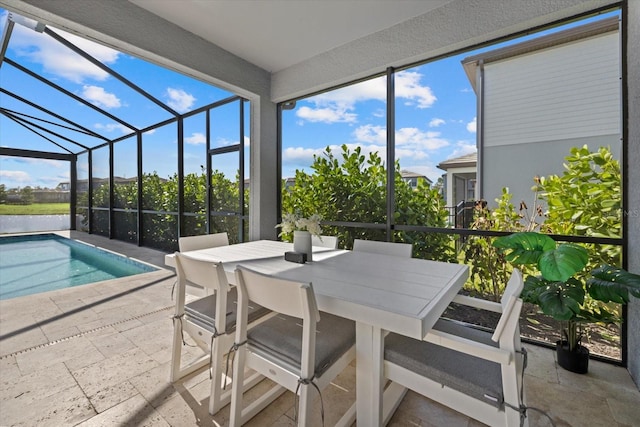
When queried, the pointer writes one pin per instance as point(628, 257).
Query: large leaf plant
point(560, 289)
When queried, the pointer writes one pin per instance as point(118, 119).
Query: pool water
point(46, 262)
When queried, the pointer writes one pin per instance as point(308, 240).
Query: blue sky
point(435, 114)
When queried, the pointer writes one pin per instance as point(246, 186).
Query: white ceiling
point(276, 34)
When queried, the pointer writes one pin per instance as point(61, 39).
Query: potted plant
point(560, 292)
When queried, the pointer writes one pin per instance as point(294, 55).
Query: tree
point(3, 193)
point(26, 195)
point(353, 188)
point(586, 200)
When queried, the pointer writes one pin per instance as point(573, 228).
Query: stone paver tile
point(154, 385)
point(67, 319)
point(134, 411)
point(414, 408)
point(625, 407)
point(9, 368)
point(30, 336)
point(110, 396)
point(185, 409)
point(68, 407)
point(603, 379)
point(126, 325)
point(152, 337)
point(16, 308)
point(110, 342)
point(75, 352)
point(568, 406)
point(46, 394)
point(112, 371)
point(541, 363)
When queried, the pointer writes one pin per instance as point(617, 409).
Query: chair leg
point(215, 401)
point(235, 416)
point(304, 405)
point(176, 351)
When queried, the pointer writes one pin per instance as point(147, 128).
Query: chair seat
point(203, 311)
point(280, 339)
point(471, 375)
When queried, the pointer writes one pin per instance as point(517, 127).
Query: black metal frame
point(30, 123)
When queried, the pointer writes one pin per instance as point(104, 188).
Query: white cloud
point(300, 154)
point(196, 138)
point(338, 105)
point(407, 85)
point(463, 148)
point(99, 97)
point(326, 115)
point(57, 59)
point(179, 100)
point(15, 176)
point(371, 134)
point(406, 138)
point(471, 126)
point(112, 127)
point(419, 140)
point(434, 123)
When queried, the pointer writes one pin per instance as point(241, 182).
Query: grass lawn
point(35, 209)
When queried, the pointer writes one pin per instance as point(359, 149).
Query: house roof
point(468, 160)
point(409, 174)
point(471, 63)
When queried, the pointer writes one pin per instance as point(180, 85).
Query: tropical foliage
point(352, 187)
point(160, 198)
point(558, 290)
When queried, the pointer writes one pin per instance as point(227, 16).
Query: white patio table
point(380, 292)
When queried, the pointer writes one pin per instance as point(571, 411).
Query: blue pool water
point(45, 262)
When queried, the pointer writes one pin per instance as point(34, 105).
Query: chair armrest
point(468, 346)
point(478, 303)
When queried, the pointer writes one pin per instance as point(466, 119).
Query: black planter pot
point(573, 361)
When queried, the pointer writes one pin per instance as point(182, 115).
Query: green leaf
point(526, 247)
point(563, 262)
point(613, 284)
point(562, 302)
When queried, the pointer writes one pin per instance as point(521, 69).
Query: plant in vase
point(302, 229)
point(561, 295)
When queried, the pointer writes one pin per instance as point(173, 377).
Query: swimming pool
point(45, 262)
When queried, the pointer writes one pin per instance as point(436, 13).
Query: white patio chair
point(325, 241)
point(385, 248)
point(302, 358)
point(463, 368)
point(194, 243)
point(213, 334)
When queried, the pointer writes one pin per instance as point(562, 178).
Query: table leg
point(369, 375)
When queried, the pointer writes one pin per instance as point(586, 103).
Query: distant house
point(460, 178)
point(413, 178)
point(540, 98)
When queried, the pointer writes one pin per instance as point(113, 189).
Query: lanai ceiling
point(288, 32)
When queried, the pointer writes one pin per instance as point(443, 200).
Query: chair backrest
point(192, 243)
point(507, 331)
point(514, 287)
point(282, 296)
point(287, 297)
point(325, 241)
point(385, 248)
point(207, 274)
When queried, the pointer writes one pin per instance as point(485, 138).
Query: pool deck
point(99, 355)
